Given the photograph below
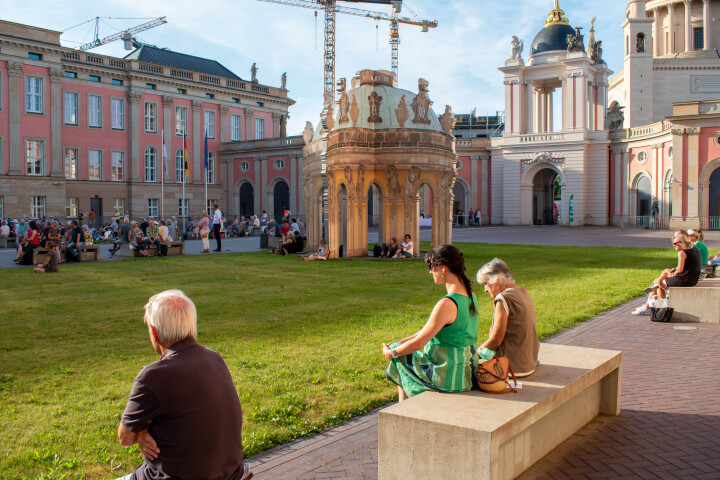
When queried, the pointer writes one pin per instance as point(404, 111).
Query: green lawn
point(302, 340)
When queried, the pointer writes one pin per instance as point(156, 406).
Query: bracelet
point(394, 353)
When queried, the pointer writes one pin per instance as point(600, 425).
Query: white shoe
point(642, 311)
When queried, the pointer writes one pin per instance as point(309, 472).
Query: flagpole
point(162, 178)
point(205, 163)
point(184, 178)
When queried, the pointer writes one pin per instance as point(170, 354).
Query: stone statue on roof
point(516, 48)
point(283, 81)
point(253, 73)
point(575, 42)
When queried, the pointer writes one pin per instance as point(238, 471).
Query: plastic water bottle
point(486, 354)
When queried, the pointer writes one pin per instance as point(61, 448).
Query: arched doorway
point(714, 204)
point(643, 197)
point(425, 200)
point(343, 223)
point(375, 209)
point(546, 195)
point(247, 199)
point(459, 203)
point(281, 199)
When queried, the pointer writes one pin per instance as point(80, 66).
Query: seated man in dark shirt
point(183, 410)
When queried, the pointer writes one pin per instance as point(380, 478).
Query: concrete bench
point(174, 248)
point(8, 242)
point(700, 303)
point(88, 253)
point(481, 436)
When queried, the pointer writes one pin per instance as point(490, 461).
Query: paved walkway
point(669, 427)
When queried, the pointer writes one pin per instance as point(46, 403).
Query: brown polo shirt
point(196, 416)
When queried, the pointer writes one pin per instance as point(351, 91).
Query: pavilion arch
point(527, 193)
point(666, 200)
point(462, 188)
point(640, 194)
point(709, 193)
point(375, 199)
point(433, 200)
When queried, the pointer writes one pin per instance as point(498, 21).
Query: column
point(56, 157)
point(693, 171)
point(656, 33)
point(168, 128)
point(134, 125)
point(224, 126)
point(485, 188)
point(256, 201)
point(198, 145)
point(678, 206)
point(566, 107)
point(602, 106)
point(522, 112)
point(294, 184)
point(671, 28)
point(688, 26)
point(276, 125)
point(581, 97)
point(509, 111)
point(626, 182)
point(529, 109)
point(267, 195)
point(301, 193)
point(15, 142)
point(708, 43)
point(618, 180)
point(550, 110)
point(283, 126)
point(474, 160)
point(249, 125)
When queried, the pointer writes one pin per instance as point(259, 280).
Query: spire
point(556, 16)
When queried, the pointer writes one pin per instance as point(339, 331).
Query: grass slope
point(302, 340)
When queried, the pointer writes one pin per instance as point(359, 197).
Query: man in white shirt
point(294, 227)
point(217, 226)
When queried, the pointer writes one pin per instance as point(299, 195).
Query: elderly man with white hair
point(183, 410)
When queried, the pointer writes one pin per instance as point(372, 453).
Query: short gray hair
point(173, 315)
point(494, 271)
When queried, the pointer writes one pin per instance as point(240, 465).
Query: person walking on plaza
point(92, 218)
point(204, 229)
point(183, 412)
point(217, 226)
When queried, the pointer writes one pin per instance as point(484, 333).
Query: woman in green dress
point(442, 356)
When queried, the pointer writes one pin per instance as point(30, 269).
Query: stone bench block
point(7, 242)
point(700, 303)
point(88, 253)
point(480, 436)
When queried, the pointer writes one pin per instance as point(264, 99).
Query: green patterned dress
point(448, 362)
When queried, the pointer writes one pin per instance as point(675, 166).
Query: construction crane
point(330, 7)
point(126, 35)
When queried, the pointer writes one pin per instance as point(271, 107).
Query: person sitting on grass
point(407, 248)
point(686, 274)
point(322, 254)
point(136, 240)
point(52, 259)
point(389, 249)
point(183, 411)
point(442, 356)
point(297, 245)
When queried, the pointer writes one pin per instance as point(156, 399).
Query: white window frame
point(70, 108)
point(153, 207)
point(117, 166)
point(210, 123)
point(38, 169)
point(186, 213)
point(180, 166)
point(119, 206)
point(94, 114)
point(211, 169)
point(181, 116)
point(150, 115)
point(117, 118)
point(37, 207)
point(94, 154)
point(235, 128)
point(259, 128)
point(279, 163)
point(72, 165)
point(150, 161)
point(211, 204)
point(244, 166)
point(71, 207)
point(34, 101)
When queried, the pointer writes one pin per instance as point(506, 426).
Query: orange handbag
point(492, 376)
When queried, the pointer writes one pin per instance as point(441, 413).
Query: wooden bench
point(700, 303)
point(88, 253)
point(8, 242)
point(481, 436)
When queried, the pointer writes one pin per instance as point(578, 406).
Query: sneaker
point(642, 311)
point(651, 288)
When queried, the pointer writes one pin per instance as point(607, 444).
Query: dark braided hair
point(452, 258)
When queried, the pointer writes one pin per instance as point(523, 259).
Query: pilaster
point(258, 187)
point(263, 183)
point(693, 171)
point(249, 125)
point(294, 187)
point(276, 126)
point(168, 127)
point(224, 125)
point(134, 125)
point(15, 101)
point(679, 207)
point(56, 157)
point(198, 146)
point(474, 160)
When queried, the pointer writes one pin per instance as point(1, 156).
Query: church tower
point(638, 65)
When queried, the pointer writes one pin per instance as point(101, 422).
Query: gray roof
point(168, 58)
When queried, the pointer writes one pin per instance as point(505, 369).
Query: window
point(71, 74)
point(37, 207)
point(260, 104)
point(34, 157)
point(93, 78)
point(179, 166)
point(244, 166)
point(70, 116)
point(459, 164)
point(259, 128)
point(642, 157)
point(151, 117)
point(71, 163)
point(235, 100)
point(34, 56)
point(117, 166)
point(211, 168)
point(150, 86)
point(117, 113)
point(119, 206)
point(211, 205)
point(71, 209)
point(698, 37)
point(235, 127)
point(152, 207)
point(34, 94)
point(279, 164)
point(670, 152)
point(210, 95)
point(210, 124)
point(150, 164)
point(116, 81)
point(180, 120)
point(94, 164)
point(184, 212)
point(94, 111)
point(182, 91)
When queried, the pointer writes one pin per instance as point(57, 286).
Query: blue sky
point(459, 58)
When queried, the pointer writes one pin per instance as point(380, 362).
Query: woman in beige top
point(513, 332)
